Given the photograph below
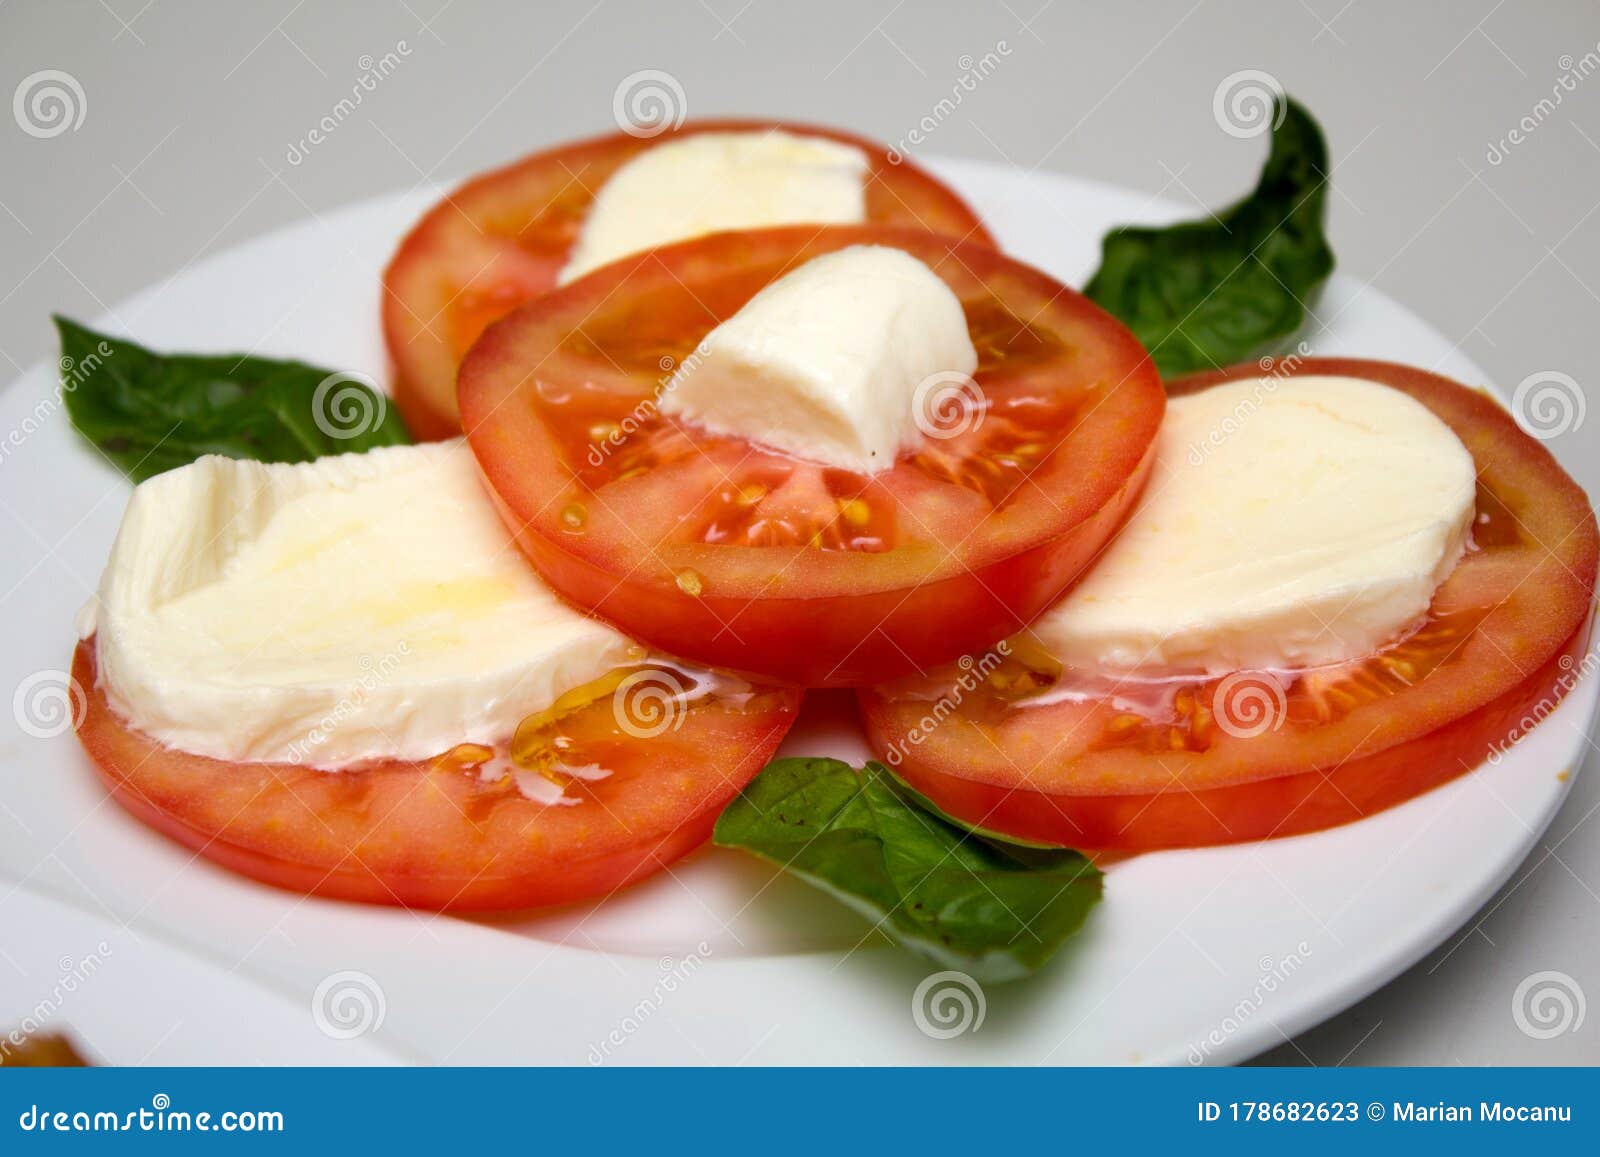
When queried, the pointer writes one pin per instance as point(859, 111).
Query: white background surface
point(192, 110)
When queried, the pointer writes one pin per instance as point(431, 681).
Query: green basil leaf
point(916, 797)
point(149, 412)
point(996, 911)
point(1208, 293)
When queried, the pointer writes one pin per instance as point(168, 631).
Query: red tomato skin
point(906, 192)
point(837, 641)
point(1286, 805)
point(1102, 801)
point(158, 786)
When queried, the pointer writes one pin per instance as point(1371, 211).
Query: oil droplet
point(573, 516)
point(464, 757)
point(689, 582)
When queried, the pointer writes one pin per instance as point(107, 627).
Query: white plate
point(123, 997)
point(1212, 954)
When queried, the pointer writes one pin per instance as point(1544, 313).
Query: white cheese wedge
point(357, 607)
point(1288, 523)
point(708, 182)
point(826, 363)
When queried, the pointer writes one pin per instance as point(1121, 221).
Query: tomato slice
point(1003, 743)
point(719, 551)
point(502, 238)
point(441, 834)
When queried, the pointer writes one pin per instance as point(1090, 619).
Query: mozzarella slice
point(1288, 523)
point(367, 606)
point(707, 182)
point(832, 362)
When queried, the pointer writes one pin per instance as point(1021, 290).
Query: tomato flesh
point(441, 833)
point(1026, 748)
point(720, 551)
point(502, 238)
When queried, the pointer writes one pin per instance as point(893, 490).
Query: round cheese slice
point(365, 606)
point(1288, 523)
